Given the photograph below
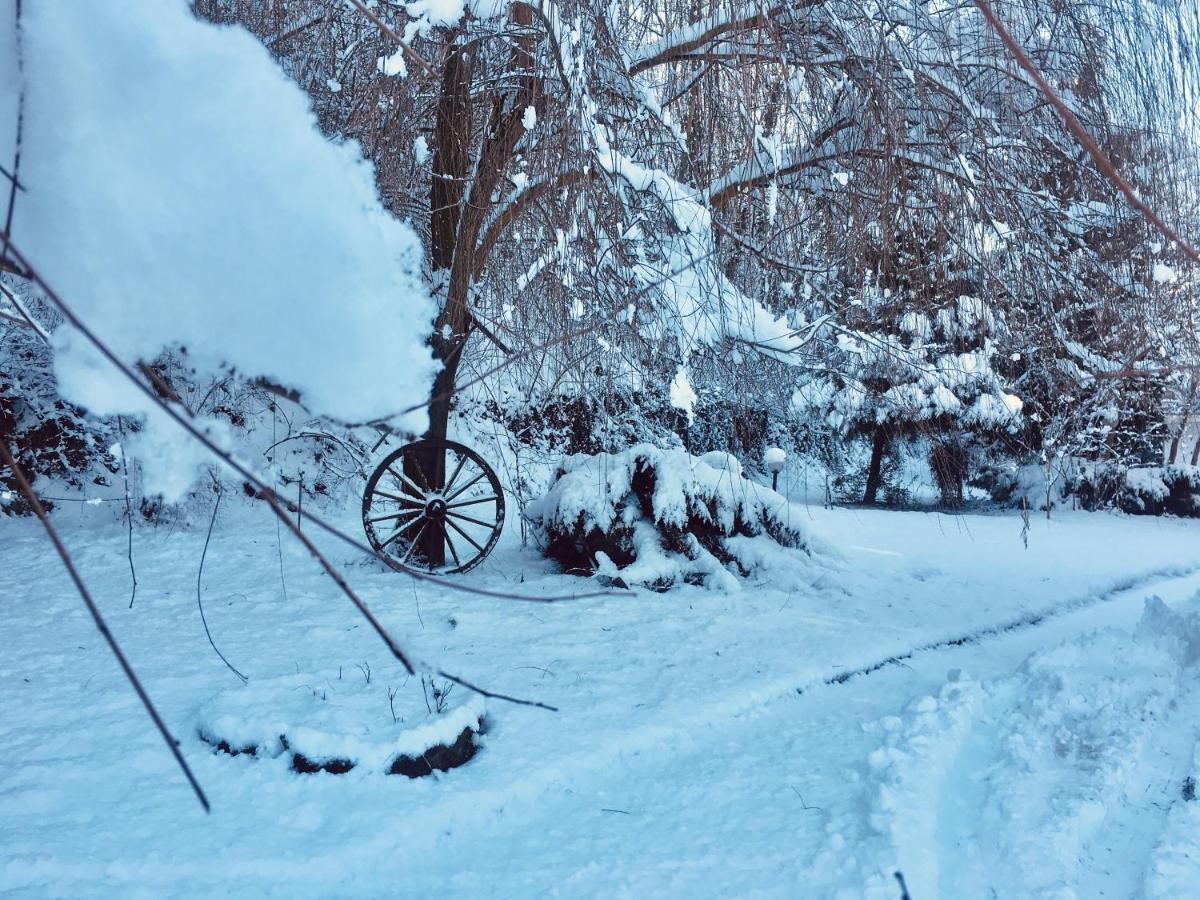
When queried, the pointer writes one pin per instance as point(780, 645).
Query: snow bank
point(179, 194)
point(657, 517)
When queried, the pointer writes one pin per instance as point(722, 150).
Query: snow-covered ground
point(927, 696)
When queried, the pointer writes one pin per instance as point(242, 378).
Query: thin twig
point(199, 573)
point(391, 32)
point(494, 695)
point(128, 512)
point(16, 321)
point(28, 320)
point(172, 744)
point(274, 483)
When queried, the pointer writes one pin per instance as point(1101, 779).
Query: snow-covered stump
point(317, 724)
point(658, 517)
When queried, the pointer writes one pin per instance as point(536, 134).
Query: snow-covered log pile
point(659, 517)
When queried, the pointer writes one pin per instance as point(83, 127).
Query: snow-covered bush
point(658, 517)
point(55, 441)
point(1146, 491)
point(320, 723)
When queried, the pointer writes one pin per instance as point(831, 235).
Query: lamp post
point(774, 458)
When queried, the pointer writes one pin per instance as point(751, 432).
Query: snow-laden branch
point(683, 42)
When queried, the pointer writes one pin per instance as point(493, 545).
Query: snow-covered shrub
point(53, 439)
point(658, 517)
point(331, 724)
point(1143, 491)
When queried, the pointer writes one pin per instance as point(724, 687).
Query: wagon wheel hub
point(436, 509)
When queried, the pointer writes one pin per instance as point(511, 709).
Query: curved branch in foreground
point(264, 491)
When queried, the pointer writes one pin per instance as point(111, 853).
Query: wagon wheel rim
point(433, 506)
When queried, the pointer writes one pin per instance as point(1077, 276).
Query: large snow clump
point(178, 194)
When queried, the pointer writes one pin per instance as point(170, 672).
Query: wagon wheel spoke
point(465, 518)
point(416, 541)
point(410, 512)
point(416, 461)
point(454, 525)
point(397, 497)
point(404, 479)
point(462, 503)
point(462, 461)
point(450, 544)
point(473, 481)
point(399, 531)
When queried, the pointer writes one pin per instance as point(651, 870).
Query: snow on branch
point(683, 42)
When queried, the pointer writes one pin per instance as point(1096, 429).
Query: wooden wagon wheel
point(434, 506)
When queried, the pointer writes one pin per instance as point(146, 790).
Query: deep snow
point(706, 743)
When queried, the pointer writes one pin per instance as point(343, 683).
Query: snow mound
point(323, 724)
point(659, 517)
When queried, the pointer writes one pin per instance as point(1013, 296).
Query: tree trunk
point(875, 469)
point(1184, 416)
point(457, 215)
point(948, 462)
point(451, 162)
point(451, 165)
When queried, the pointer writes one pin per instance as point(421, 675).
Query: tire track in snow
point(1167, 574)
point(1050, 778)
point(690, 717)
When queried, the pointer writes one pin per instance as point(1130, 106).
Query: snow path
point(794, 778)
point(964, 771)
point(708, 744)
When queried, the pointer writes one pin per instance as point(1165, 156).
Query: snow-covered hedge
point(657, 517)
point(1145, 491)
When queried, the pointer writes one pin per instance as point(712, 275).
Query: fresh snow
point(682, 396)
point(935, 699)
